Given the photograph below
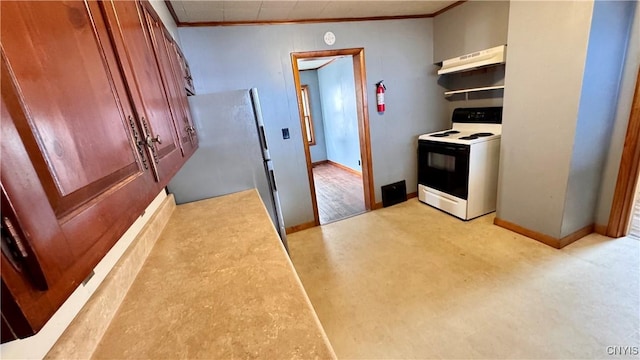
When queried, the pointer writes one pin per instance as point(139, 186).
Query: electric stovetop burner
point(446, 133)
point(475, 136)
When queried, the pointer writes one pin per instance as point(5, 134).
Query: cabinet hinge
point(136, 138)
point(17, 249)
point(13, 240)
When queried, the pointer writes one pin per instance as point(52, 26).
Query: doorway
point(346, 182)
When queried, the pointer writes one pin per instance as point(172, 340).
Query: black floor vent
point(394, 193)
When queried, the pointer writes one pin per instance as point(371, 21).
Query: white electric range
point(458, 168)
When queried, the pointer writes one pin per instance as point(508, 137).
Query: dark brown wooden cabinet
point(166, 52)
point(135, 52)
point(89, 138)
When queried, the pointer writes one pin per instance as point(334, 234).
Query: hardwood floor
point(338, 192)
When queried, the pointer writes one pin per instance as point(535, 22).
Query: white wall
point(397, 51)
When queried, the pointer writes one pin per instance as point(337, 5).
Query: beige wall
point(562, 80)
point(472, 26)
point(545, 64)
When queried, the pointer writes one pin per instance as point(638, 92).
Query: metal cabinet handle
point(139, 142)
point(156, 139)
point(150, 140)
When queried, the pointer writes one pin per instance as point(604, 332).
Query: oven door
point(444, 167)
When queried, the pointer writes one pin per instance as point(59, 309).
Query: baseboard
point(412, 195)
point(314, 164)
point(576, 235)
point(557, 243)
point(300, 227)
point(600, 229)
point(346, 168)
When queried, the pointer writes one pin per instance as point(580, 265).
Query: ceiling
point(243, 11)
point(314, 63)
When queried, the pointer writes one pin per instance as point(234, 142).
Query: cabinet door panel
point(76, 127)
point(178, 62)
point(137, 58)
point(167, 57)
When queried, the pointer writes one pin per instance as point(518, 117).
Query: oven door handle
point(448, 149)
point(451, 148)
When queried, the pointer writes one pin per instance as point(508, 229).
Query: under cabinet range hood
point(493, 56)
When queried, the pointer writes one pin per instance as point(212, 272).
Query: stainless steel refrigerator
point(233, 154)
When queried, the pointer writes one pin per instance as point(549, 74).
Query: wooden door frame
point(360, 80)
point(622, 204)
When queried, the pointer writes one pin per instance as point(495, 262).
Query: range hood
point(493, 56)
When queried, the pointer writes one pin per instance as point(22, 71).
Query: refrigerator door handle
point(273, 180)
point(263, 138)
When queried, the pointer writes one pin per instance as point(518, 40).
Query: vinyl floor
point(339, 193)
point(634, 231)
point(411, 282)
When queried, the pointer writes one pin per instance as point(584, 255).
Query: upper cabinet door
point(77, 117)
point(176, 61)
point(73, 172)
point(186, 73)
point(136, 54)
point(167, 58)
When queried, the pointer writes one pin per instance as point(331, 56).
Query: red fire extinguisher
point(380, 88)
